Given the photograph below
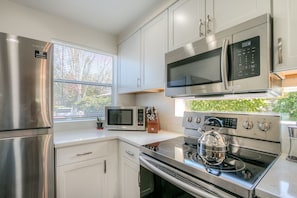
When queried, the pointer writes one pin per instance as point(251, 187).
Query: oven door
point(160, 180)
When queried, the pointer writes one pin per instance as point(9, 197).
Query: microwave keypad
point(246, 59)
point(140, 120)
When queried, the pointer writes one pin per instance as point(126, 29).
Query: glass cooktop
point(241, 167)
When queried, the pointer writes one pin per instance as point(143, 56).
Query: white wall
point(166, 110)
point(27, 22)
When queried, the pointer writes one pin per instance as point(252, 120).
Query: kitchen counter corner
point(280, 181)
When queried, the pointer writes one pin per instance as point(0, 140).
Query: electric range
point(253, 145)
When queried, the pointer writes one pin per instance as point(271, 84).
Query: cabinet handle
point(130, 153)
point(280, 50)
point(208, 20)
point(104, 166)
point(200, 28)
point(138, 82)
point(139, 180)
point(82, 154)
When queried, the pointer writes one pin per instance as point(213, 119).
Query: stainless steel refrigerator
point(26, 143)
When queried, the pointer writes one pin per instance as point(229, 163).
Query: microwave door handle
point(224, 63)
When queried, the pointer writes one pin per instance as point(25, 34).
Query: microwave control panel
point(245, 57)
point(140, 119)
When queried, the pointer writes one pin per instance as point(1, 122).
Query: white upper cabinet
point(154, 47)
point(285, 31)
point(186, 22)
point(129, 64)
point(191, 20)
point(142, 57)
point(223, 14)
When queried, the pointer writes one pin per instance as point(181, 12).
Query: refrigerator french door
point(26, 143)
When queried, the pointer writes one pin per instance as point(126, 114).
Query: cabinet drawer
point(82, 152)
point(129, 151)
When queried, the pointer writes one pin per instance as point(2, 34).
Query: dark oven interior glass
point(153, 186)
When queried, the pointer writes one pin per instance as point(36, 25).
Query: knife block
point(153, 126)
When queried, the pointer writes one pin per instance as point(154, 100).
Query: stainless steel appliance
point(179, 168)
point(26, 143)
point(125, 118)
point(236, 60)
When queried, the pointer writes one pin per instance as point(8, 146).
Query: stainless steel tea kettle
point(211, 146)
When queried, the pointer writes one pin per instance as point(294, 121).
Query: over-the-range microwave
point(125, 118)
point(236, 60)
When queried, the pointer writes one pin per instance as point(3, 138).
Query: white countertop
point(136, 138)
point(280, 181)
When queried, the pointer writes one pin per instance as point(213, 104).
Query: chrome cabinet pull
point(208, 20)
point(201, 34)
point(104, 166)
point(139, 180)
point(130, 153)
point(82, 154)
point(280, 50)
point(138, 82)
point(224, 62)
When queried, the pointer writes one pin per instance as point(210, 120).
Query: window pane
point(285, 105)
point(81, 65)
point(77, 102)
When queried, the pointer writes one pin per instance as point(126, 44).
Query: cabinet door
point(129, 169)
point(129, 179)
point(82, 179)
point(154, 47)
point(285, 31)
point(129, 64)
point(222, 14)
point(186, 22)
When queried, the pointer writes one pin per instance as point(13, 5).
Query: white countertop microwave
point(125, 118)
point(236, 60)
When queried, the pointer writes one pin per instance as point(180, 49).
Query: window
point(82, 83)
point(285, 105)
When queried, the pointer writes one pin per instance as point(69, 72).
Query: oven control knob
point(264, 126)
point(198, 120)
point(189, 119)
point(247, 124)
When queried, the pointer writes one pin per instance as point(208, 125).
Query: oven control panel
point(221, 122)
point(250, 125)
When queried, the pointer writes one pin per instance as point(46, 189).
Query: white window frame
point(114, 74)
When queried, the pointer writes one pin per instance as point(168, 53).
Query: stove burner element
point(230, 164)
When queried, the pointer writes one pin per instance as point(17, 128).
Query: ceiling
point(111, 16)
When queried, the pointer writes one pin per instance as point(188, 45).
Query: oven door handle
point(224, 63)
point(175, 181)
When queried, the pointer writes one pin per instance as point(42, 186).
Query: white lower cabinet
point(129, 170)
point(80, 179)
point(88, 170)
